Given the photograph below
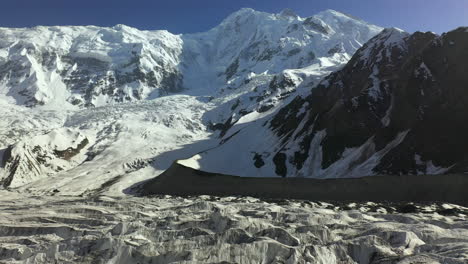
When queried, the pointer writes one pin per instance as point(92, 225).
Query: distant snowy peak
point(325, 22)
point(334, 17)
point(389, 37)
point(288, 13)
point(275, 42)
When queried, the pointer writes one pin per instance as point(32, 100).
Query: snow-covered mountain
point(143, 99)
point(87, 65)
point(93, 66)
point(397, 107)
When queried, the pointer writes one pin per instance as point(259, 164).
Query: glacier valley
point(88, 113)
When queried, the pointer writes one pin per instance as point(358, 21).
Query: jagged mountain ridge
point(86, 65)
point(93, 66)
point(397, 107)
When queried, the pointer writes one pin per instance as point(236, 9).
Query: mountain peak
point(392, 35)
point(287, 12)
point(242, 12)
point(331, 12)
point(122, 27)
point(334, 13)
point(330, 15)
point(393, 30)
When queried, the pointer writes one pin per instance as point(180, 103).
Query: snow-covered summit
point(390, 36)
point(92, 66)
point(288, 13)
point(334, 14)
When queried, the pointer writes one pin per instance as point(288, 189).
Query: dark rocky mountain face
point(398, 107)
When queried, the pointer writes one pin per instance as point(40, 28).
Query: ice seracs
point(47, 229)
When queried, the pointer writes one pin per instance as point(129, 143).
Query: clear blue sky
point(187, 16)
